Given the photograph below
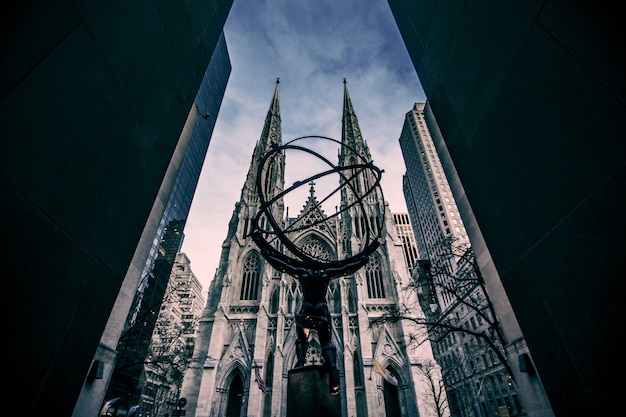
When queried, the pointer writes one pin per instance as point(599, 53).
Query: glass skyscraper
point(169, 237)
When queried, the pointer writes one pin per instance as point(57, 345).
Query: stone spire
point(350, 132)
point(356, 152)
point(270, 136)
point(271, 133)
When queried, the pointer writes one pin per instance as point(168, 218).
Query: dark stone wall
point(529, 96)
point(93, 99)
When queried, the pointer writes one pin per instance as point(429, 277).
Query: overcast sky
point(311, 46)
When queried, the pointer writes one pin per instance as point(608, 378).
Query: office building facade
point(172, 342)
point(402, 223)
point(451, 290)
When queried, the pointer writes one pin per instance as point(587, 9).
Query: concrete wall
point(94, 98)
point(529, 96)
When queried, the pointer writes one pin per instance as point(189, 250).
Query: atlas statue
point(314, 274)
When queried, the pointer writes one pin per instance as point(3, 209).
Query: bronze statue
point(314, 274)
point(314, 313)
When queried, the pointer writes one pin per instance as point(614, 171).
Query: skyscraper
point(195, 138)
point(432, 209)
point(134, 344)
point(402, 222)
point(172, 341)
point(249, 323)
point(451, 290)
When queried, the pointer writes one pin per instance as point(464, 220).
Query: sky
point(311, 46)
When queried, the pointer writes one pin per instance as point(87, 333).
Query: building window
point(358, 378)
point(352, 301)
point(250, 282)
point(274, 301)
point(373, 273)
point(269, 371)
point(334, 297)
point(314, 247)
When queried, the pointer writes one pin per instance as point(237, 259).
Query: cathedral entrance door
point(235, 396)
point(392, 403)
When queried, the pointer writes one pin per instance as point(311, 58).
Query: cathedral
point(246, 341)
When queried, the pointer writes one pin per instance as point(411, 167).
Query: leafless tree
point(154, 348)
point(436, 398)
point(165, 366)
point(451, 274)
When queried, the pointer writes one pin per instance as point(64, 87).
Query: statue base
point(308, 393)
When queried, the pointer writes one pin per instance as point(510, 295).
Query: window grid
point(373, 273)
point(250, 284)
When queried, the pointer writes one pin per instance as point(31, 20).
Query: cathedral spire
point(272, 129)
point(348, 110)
point(355, 152)
point(350, 132)
point(271, 136)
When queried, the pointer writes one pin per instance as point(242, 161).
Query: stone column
point(348, 352)
point(255, 399)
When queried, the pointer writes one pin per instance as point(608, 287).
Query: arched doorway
point(235, 397)
point(390, 393)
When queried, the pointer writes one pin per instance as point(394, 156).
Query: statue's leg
point(301, 345)
point(329, 352)
point(330, 357)
point(327, 346)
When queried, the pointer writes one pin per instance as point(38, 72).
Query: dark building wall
point(530, 99)
point(202, 120)
point(125, 377)
point(94, 97)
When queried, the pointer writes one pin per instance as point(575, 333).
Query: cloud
point(311, 47)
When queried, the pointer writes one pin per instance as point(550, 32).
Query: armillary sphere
point(358, 179)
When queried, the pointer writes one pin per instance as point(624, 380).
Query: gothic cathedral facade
point(246, 340)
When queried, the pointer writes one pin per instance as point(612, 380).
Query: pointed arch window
point(269, 371)
point(333, 297)
point(391, 395)
point(346, 244)
point(358, 371)
point(357, 175)
point(352, 301)
point(374, 275)
point(269, 178)
point(251, 275)
point(294, 293)
point(274, 301)
point(316, 248)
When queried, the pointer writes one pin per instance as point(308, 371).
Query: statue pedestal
point(308, 395)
